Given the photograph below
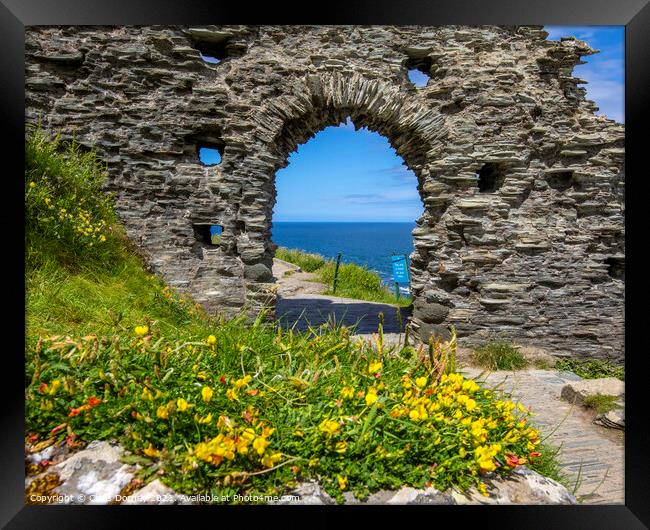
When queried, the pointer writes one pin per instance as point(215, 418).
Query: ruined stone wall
point(533, 251)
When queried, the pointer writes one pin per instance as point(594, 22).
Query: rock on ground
point(523, 486)
point(579, 390)
point(94, 475)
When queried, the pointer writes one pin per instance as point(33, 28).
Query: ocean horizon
point(367, 243)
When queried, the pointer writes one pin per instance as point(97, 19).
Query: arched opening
point(345, 196)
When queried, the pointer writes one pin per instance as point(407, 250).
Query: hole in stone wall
point(560, 180)
point(536, 112)
point(207, 234)
point(418, 78)
point(212, 50)
point(209, 154)
point(616, 268)
point(217, 48)
point(418, 70)
point(490, 177)
point(210, 59)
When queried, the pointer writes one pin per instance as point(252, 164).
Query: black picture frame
point(16, 14)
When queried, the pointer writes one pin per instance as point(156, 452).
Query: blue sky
point(343, 175)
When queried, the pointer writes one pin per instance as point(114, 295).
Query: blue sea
point(368, 244)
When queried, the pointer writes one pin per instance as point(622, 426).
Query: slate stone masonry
point(532, 250)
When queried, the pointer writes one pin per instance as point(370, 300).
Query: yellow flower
point(418, 414)
point(270, 460)
point(181, 404)
point(102, 238)
point(146, 394)
point(267, 431)
point(343, 481)
point(329, 426)
point(206, 393)
point(458, 415)
point(371, 396)
point(151, 451)
point(421, 382)
point(211, 340)
point(32, 184)
point(482, 489)
point(141, 330)
point(231, 394)
point(374, 367)
point(260, 444)
point(206, 419)
point(470, 405)
point(486, 464)
point(470, 386)
point(462, 452)
point(243, 382)
point(162, 412)
point(56, 384)
point(341, 447)
point(347, 392)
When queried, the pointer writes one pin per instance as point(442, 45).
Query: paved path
point(591, 455)
point(300, 304)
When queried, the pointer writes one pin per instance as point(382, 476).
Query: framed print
point(375, 256)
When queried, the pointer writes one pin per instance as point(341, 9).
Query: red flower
point(45, 463)
point(535, 454)
point(93, 401)
point(58, 428)
point(514, 461)
point(74, 412)
point(42, 387)
point(222, 379)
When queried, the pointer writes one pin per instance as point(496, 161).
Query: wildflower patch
point(213, 415)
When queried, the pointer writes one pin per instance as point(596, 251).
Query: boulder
point(430, 313)
point(577, 391)
point(94, 475)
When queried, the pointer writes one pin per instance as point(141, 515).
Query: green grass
point(499, 355)
point(224, 407)
point(306, 261)
point(591, 368)
point(548, 464)
point(601, 403)
point(354, 281)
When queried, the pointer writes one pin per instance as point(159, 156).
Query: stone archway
point(411, 130)
point(532, 250)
